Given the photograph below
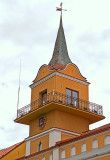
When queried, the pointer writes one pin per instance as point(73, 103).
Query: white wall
point(54, 136)
point(27, 148)
point(56, 154)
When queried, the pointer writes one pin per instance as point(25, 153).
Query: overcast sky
point(28, 30)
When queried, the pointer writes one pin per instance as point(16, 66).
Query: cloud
point(106, 91)
point(92, 46)
point(106, 34)
point(25, 26)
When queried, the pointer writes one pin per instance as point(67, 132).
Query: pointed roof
point(60, 53)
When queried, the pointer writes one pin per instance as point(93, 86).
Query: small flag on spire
point(60, 8)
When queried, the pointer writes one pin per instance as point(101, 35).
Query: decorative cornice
point(52, 129)
point(42, 80)
point(61, 75)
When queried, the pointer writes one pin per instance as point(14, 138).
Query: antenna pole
point(19, 88)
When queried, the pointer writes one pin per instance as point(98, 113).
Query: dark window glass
point(68, 96)
point(44, 97)
point(39, 146)
point(71, 97)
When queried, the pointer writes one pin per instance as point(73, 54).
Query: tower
point(60, 107)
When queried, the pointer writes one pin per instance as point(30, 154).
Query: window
point(62, 154)
point(39, 146)
point(83, 147)
point(50, 157)
point(107, 140)
point(44, 97)
point(43, 158)
point(73, 151)
point(94, 144)
point(71, 97)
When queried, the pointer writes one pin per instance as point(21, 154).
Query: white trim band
point(52, 129)
point(58, 74)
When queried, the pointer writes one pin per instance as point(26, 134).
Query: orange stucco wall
point(60, 119)
point(60, 84)
point(43, 72)
point(71, 122)
point(70, 70)
point(48, 85)
point(50, 122)
point(34, 143)
point(73, 71)
point(63, 83)
point(65, 136)
point(16, 153)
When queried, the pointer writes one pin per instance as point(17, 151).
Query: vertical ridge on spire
point(60, 53)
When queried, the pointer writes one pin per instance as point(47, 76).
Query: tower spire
point(60, 53)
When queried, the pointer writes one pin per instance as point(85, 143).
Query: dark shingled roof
point(60, 53)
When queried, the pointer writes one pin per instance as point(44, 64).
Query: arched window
point(43, 158)
point(83, 147)
point(73, 151)
point(50, 157)
point(39, 146)
point(107, 140)
point(94, 144)
point(62, 154)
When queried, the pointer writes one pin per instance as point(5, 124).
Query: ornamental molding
point(49, 130)
point(61, 75)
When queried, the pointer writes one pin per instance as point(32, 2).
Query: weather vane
point(60, 8)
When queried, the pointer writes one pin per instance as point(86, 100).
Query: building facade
point(60, 114)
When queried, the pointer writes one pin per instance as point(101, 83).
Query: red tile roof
point(57, 66)
point(5, 151)
point(84, 135)
point(61, 143)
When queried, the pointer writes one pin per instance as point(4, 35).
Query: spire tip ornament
point(60, 8)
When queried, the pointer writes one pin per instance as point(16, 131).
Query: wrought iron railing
point(61, 99)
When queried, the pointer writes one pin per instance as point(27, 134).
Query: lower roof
point(5, 151)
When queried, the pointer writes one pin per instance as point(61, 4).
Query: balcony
point(63, 99)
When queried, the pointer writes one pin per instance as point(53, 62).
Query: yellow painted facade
point(35, 143)
point(88, 141)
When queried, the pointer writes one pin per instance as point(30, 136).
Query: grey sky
point(28, 30)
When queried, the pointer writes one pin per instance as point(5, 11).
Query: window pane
point(75, 94)
point(68, 92)
point(75, 98)
point(44, 97)
point(68, 96)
